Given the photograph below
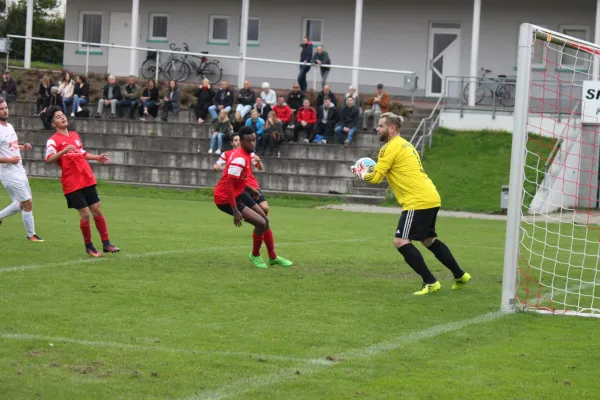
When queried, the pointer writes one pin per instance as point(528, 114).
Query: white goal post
point(552, 250)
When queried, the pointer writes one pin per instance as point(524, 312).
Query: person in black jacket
point(305, 57)
point(327, 117)
point(43, 93)
point(205, 98)
point(246, 99)
point(55, 99)
point(80, 94)
point(111, 95)
point(223, 100)
point(321, 58)
point(295, 100)
point(324, 94)
point(150, 101)
point(348, 122)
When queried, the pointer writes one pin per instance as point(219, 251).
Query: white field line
point(56, 341)
point(27, 267)
point(248, 384)
point(165, 253)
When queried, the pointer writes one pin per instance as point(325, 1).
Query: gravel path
point(567, 216)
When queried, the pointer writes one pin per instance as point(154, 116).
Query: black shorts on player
point(82, 198)
point(417, 224)
point(260, 199)
point(242, 201)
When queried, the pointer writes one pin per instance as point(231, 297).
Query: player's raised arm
point(101, 158)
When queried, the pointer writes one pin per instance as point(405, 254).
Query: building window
point(312, 28)
point(90, 29)
point(573, 58)
point(253, 30)
point(218, 29)
point(158, 27)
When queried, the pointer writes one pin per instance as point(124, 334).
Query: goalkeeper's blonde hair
point(393, 119)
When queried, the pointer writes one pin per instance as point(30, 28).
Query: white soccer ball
point(365, 164)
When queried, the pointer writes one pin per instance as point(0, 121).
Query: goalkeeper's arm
point(376, 175)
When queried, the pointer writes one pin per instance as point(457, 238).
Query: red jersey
point(251, 180)
point(235, 177)
point(76, 171)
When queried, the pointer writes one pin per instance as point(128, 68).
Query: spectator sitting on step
point(66, 89)
point(80, 95)
point(131, 94)
point(237, 122)
point(258, 124)
point(43, 93)
point(268, 95)
point(326, 93)
point(172, 101)
point(294, 100)
point(273, 134)
point(306, 118)
point(205, 96)
point(55, 99)
point(321, 58)
point(221, 130)
point(246, 99)
point(150, 101)
point(111, 95)
point(380, 103)
point(327, 117)
point(357, 103)
point(348, 122)
point(263, 109)
point(8, 90)
point(283, 112)
point(223, 100)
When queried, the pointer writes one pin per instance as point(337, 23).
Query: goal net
point(552, 254)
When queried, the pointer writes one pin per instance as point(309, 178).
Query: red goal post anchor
point(542, 271)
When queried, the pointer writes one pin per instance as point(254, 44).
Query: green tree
point(43, 26)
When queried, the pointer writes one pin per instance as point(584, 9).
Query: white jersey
point(9, 147)
point(226, 154)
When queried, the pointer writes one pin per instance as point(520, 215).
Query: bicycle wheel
point(479, 93)
point(212, 71)
point(506, 94)
point(176, 69)
point(149, 68)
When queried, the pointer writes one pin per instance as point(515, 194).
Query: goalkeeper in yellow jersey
point(400, 163)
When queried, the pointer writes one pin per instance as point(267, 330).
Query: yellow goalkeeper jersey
point(400, 163)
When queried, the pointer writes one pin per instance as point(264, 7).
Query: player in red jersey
point(252, 182)
point(78, 181)
point(230, 197)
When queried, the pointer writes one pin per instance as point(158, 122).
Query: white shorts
point(17, 187)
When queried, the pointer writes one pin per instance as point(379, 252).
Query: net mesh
point(559, 254)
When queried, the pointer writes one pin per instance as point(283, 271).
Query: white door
point(443, 56)
point(120, 34)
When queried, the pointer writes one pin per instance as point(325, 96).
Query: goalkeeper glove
point(361, 171)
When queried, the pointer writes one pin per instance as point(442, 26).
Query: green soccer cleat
point(428, 288)
point(281, 261)
point(258, 261)
point(462, 281)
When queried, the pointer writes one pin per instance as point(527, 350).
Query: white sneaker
point(72, 114)
point(209, 151)
point(218, 151)
point(291, 126)
point(79, 109)
point(305, 141)
point(324, 141)
point(346, 142)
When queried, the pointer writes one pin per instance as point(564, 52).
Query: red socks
point(256, 243)
point(85, 231)
point(101, 226)
point(270, 243)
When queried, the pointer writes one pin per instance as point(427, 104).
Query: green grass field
point(181, 314)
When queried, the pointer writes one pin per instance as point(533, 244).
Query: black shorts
point(82, 198)
point(242, 201)
point(260, 199)
point(417, 224)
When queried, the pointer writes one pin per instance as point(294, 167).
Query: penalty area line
point(150, 254)
point(245, 385)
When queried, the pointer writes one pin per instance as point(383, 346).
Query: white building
point(433, 38)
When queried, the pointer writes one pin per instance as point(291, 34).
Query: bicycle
point(504, 89)
point(174, 68)
point(210, 70)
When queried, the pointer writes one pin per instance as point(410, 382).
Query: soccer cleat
point(462, 281)
point(109, 248)
point(281, 261)
point(428, 288)
point(35, 238)
point(258, 261)
point(91, 250)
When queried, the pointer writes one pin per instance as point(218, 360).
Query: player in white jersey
point(13, 176)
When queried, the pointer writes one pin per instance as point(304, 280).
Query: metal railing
point(427, 127)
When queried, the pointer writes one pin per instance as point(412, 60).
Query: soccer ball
point(365, 163)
